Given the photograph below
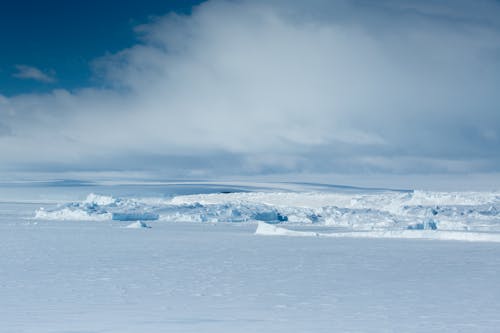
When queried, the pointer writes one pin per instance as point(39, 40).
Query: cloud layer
point(253, 87)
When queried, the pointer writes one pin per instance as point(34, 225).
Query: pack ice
point(358, 211)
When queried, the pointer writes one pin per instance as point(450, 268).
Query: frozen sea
point(239, 257)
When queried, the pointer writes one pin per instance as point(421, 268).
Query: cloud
point(254, 87)
point(33, 73)
point(5, 130)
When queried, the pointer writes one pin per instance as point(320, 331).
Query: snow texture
point(220, 278)
point(138, 225)
point(265, 229)
point(78, 276)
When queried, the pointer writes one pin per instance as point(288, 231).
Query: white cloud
point(33, 73)
point(258, 86)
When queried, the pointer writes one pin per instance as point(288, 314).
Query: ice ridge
point(381, 210)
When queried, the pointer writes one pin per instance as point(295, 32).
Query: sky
point(249, 88)
point(61, 38)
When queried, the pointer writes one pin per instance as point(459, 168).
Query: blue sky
point(251, 87)
point(64, 37)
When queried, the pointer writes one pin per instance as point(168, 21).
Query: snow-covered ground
point(84, 264)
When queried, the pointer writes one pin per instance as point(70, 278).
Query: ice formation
point(265, 229)
point(360, 211)
point(138, 225)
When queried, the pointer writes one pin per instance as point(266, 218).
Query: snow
point(67, 213)
point(134, 216)
point(208, 265)
point(102, 200)
point(265, 229)
point(354, 210)
point(138, 225)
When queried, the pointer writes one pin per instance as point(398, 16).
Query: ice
point(138, 225)
point(339, 262)
point(101, 200)
point(270, 216)
point(265, 229)
point(430, 224)
point(66, 213)
point(353, 210)
point(202, 277)
point(134, 216)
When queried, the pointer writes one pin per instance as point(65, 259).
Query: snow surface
point(265, 229)
point(138, 225)
point(95, 274)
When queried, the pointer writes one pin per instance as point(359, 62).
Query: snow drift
point(264, 229)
